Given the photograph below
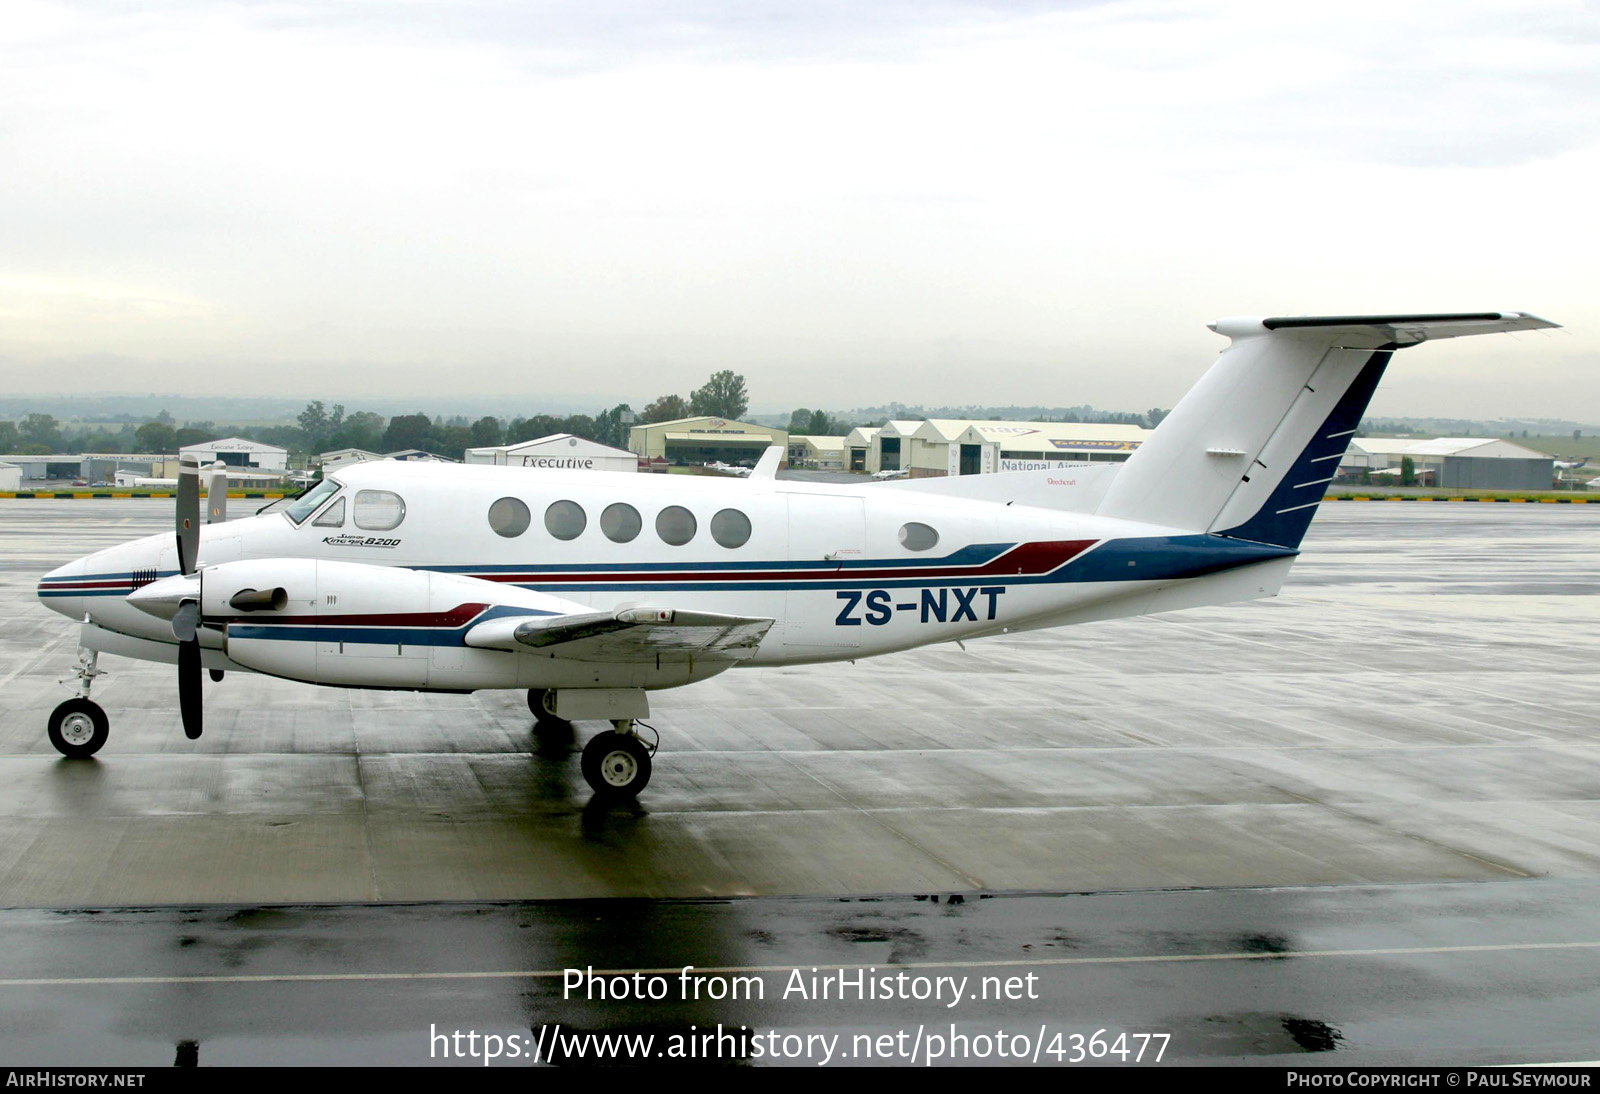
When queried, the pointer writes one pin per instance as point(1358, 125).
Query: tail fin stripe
point(1278, 527)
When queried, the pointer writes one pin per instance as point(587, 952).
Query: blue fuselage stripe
point(1152, 558)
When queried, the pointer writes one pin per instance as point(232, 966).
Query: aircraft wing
point(633, 634)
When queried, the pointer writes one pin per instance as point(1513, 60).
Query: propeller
point(217, 494)
point(186, 623)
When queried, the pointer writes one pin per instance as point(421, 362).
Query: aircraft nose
point(60, 588)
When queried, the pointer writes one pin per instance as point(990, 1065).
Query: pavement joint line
point(1350, 814)
point(1067, 750)
point(402, 816)
point(720, 970)
point(369, 853)
point(871, 816)
point(49, 651)
point(1215, 635)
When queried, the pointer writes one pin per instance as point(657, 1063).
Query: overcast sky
point(848, 202)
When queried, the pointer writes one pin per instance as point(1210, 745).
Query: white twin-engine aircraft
point(592, 590)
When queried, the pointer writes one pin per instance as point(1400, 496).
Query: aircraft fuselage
point(846, 571)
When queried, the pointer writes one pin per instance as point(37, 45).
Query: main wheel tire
point(78, 728)
point(546, 720)
point(616, 765)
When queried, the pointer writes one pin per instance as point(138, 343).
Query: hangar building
point(238, 452)
point(705, 440)
point(952, 446)
point(344, 457)
point(1455, 463)
point(1035, 446)
point(891, 446)
point(559, 450)
point(822, 453)
point(89, 466)
point(859, 449)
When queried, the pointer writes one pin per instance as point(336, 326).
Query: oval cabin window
point(509, 517)
point(620, 522)
point(730, 528)
point(565, 519)
point(675, 525)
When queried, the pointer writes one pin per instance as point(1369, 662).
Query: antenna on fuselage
point(767, 466)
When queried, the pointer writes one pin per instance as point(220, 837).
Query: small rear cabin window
point(918, 537)
point(379, 510)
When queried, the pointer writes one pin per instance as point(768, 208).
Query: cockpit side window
point(307, 503)
point(332, 516)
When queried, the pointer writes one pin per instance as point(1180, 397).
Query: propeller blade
point(189, 687)
point(217, 494)
point(186, 620)
point(188, 516)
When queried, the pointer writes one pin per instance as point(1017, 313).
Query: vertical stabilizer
point(1248, 452)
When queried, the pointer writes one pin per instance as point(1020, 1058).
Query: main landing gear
point(78, 727)
point(539, 702)
point(616, 764)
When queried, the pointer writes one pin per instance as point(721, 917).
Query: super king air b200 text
point(592, 590)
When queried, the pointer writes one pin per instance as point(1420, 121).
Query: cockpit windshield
point(307, 503)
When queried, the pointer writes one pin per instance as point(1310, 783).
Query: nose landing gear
point(79, 727)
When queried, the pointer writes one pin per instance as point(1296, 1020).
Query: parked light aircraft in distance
point(592, 590)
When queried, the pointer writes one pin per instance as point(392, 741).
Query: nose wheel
point(616, 765)
point(78, 728)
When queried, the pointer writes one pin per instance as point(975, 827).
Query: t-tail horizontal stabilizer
point(1250, 449)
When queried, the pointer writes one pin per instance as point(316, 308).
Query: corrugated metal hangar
point(705, 440)
point(1454, 463)
point(953, 446)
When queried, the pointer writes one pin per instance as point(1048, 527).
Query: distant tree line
point(323, 428)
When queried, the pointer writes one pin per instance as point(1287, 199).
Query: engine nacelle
point(353, 624)
point(357, 625)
